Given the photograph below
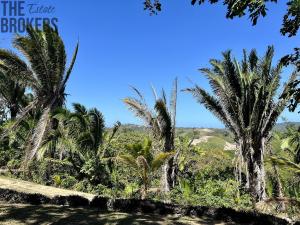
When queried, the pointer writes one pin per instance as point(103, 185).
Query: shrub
point(3, 158)
point(68, 182)
point(57, 180)
point(131, 190)
point(215, 193)
point(42, 171)
point(102, 190)
point(13, 164)
point(83, 186)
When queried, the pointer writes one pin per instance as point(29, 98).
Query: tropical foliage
point(71, 147)
point(245, 101)
point(44, 72)
point(141, 159)
point(162, 121)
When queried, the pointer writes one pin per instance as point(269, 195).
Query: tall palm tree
point(162, 121)
point(44, 71)
point(244, 99)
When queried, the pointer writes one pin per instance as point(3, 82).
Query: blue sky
point(121, 45)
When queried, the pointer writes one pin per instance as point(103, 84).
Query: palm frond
point(286, 163)
point(140, 110)
point(213, 105)
point(163, 118)
point(21, 117)
point(129, 160)
point(69, 71)
point(160, 160)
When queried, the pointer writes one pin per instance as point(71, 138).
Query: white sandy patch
point(229, 147)
point(206, 130)
point(203, 139)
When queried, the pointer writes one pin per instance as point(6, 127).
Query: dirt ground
point(19, 214)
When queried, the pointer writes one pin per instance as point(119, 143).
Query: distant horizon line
point(197, 127)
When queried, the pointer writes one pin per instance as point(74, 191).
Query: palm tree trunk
point(256, 171)
point(13, 111)
point(169, 176)
point(278, 186)
point(165, 179)
point(278, 189)
point(174, 168)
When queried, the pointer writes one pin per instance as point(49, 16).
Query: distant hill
point(278, 127)
point(282, 126)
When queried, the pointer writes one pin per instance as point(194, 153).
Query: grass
point(213, 143)
point(18, 214)
point(29, 187)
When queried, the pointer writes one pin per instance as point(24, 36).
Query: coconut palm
point(141, 159)
point(162, 121)
point(244, 99)
point(44, 72)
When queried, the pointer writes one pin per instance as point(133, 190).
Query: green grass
point(213, 143)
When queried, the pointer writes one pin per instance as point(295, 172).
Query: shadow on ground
point(60, 215)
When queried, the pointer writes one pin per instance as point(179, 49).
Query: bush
point(3, 158)
point(68, 182)
point(83, 186)
point(103, 190)
point(57, 180)
point(131, 190)
point(42, 171)
point(213, 193)
point(13, 164)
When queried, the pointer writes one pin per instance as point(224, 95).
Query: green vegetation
point(245, 166)
point(245, 101)
point(162, 121)
point(140, 158)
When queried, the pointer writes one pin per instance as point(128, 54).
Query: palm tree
point(81, 136)
point(11, 92)
point(143, 162)
point(162, 121)
point(244, 99)
point(45, 72)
